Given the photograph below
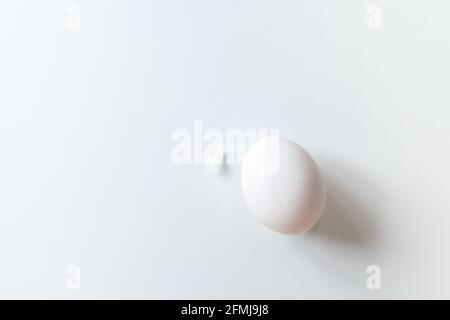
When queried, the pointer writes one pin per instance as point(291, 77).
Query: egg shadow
point(346, 219)
point(346, 239)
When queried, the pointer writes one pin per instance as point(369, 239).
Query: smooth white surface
point(85, 125)
point(282, 185)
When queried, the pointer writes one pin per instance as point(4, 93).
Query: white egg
point(282, 185)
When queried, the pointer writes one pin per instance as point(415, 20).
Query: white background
point(85, 122)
